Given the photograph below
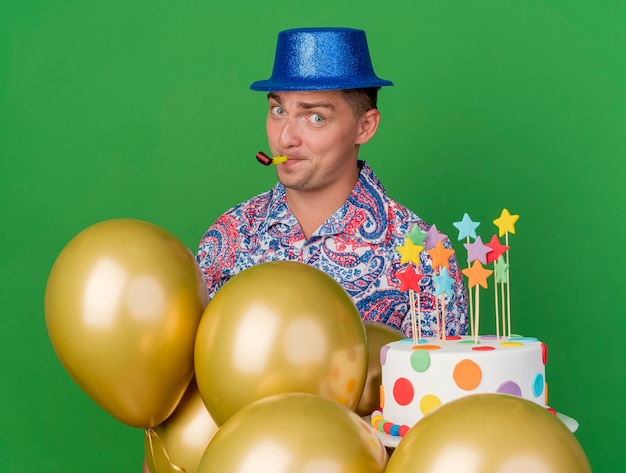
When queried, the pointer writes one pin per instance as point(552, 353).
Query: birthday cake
point(420, 374)
point(416, 379)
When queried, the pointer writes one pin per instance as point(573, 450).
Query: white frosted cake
point(418, 378)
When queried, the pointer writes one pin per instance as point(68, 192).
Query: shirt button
point(297, 251)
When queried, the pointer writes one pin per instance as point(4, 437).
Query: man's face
point(320, 136)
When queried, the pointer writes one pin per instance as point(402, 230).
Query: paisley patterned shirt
point(356, 246)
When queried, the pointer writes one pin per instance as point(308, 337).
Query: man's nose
point(289, 134)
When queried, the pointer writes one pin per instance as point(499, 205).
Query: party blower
point(267, 161)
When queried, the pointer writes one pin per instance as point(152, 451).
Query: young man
point(328, 209)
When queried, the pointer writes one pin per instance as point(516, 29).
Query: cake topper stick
point(477, 312)
point(496, 275)
point(438, 320)
point(477, 276)
point(409, 278)
point(467, 228)
point(440, 260)
point(506, 224)
point(416, 322)
point(499, 268)
point(471, 303)
point(267, 161)
point(508, 286)
point(409, 281)
point(438, 315)
point(443, 285)
point(419, 318)
point(503, 308)
point(443, 319)
point(413, 318)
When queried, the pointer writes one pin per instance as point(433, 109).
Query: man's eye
point(277, 110)
point(316, 119)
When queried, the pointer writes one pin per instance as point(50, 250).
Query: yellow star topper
point(506, 222)
point(409, 251)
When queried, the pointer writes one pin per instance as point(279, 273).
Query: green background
point(142, 109)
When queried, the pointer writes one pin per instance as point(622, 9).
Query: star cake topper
point(440, 255)
point(477, 251)
point(409, 252)
point(497, 249)
point(443, 282)
point(467, 227)
point(409, 279)
point(506, 222)
point(433, 236)
point(477, 274)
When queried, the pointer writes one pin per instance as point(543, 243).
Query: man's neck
point(312, 208)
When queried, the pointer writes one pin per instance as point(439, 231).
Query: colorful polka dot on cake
point(403, 391)
point(510, 387)
point(383, 354)
point(467, 375)
point(420, 360)
point(538, 385)
point(429, 403)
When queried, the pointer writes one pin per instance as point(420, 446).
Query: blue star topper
point(466, 227)
point(443, 282)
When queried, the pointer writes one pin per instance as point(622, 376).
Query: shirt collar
point(364, 214)
point(278, 210)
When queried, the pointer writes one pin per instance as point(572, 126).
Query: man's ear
point(368, 124)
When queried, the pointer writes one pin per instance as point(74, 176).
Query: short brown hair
point(361, 100)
